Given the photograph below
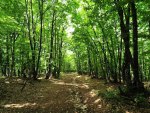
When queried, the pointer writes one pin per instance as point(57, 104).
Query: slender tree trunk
point(13, 71)
point(55, 49)
point(1, 61)
point(51, 48)
point(79, 67)
point(120, 59)
point(126, 37)
point(136, 80)
point(135, 42)
point(34, 74)
point(32, 46)
point(89, 61)
point(60, 44)
point(41, 33)
point(60, 55)
point(105, 60)
point(7, 57)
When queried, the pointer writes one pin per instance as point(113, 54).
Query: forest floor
point(70, 94)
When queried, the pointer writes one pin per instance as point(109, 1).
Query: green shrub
point(111, 95)
point(141, 101)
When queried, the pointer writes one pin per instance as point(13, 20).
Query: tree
point(47, 37)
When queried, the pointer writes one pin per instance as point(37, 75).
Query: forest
point(74, 56)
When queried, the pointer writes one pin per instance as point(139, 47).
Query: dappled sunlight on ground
point(128, 112)
point(7, 82)
point(78, 76)
point(19, 105)
point(70, 94)
point(85, 86)
point(92, 93)
point(97, 100)
point(99, 106)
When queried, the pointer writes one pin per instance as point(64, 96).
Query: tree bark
point(126, 38)
point(136, 80)
point(51, 47)
point(41, 33)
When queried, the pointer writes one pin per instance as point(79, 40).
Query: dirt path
point(71, 94)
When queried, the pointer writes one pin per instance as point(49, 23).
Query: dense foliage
point(106, 39)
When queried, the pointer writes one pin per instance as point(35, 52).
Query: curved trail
point(70, 94)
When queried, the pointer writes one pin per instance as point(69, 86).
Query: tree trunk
point(13, 71)
point(89, 61)
point(126, 37)
point(136, 81)
point(51, 48)
point(41, 33)
point(7, 57)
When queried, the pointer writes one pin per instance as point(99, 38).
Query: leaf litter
point(70, 94)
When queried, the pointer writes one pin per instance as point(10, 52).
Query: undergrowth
point(114, 97)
